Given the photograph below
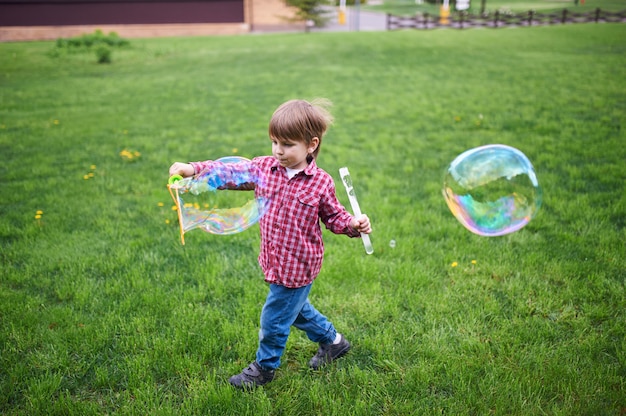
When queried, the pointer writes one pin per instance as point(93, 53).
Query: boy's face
point(293, 154)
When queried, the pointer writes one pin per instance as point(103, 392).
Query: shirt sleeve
point(334, 215)
point(200, 166)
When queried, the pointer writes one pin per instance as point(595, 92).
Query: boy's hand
point(361, 224)
point(182, 169)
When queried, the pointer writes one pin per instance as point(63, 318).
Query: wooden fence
point(463, 20)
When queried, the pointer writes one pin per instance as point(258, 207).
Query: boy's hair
point(300, 120)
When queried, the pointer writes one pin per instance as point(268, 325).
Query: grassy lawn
point(411, 7)
point(102, 311)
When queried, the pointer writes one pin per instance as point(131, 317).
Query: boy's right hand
point(182, 169)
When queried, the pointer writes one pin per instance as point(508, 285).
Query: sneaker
point(329, 352)
point(252, 377)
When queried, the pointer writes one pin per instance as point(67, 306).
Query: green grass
point(102, 311)
point(410, 7)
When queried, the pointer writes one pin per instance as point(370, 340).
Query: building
point(52, 19)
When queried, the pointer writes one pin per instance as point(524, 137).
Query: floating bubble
point(492, 190)
point(216, 201)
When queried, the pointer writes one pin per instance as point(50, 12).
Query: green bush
point(97, 40)
point(103, 53)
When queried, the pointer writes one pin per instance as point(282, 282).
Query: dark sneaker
point(329, 352)
point(252, 377)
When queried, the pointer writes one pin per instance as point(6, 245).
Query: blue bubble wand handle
point(347, 182)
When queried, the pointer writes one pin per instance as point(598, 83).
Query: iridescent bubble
point(222, 198)
point(492, 190)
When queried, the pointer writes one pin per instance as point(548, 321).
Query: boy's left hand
point(361, 224)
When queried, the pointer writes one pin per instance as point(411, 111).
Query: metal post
point(357, 14)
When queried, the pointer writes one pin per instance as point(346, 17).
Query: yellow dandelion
point(160, 204)
point(38, 217)
point(90, 174)
point(85, 177)
point(454, 264)
point(56, 122)
point(235, 150)
point(174, 208)
point(39, 212)
point(167, 221)
point(457, 118)
point(92, 167)
point(136, 154)
point(473, 261)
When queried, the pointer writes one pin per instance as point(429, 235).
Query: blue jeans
point(283, 308)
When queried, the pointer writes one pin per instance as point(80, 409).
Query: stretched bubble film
point(221, 199)
point(492, 190)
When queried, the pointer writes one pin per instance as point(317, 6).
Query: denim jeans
point(283, 308)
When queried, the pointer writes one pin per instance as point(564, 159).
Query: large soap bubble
point(215, 199)
point(492, 190)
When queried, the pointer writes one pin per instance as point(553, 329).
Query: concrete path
point(357, 20)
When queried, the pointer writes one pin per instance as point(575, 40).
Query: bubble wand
point(179, 210)
point(347, 183)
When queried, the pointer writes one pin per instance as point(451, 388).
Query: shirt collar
point(310, 170)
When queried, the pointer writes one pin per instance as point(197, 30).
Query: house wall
point(115, 12)
point(272, 15)
point(52, 19)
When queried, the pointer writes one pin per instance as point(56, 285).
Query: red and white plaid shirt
point(292, 249)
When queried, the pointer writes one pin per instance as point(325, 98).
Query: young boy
point(291, 238)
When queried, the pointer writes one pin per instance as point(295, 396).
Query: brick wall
point(254, 15)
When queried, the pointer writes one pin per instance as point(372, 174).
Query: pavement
point(357, 20)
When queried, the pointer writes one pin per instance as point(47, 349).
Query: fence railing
point(463, 20)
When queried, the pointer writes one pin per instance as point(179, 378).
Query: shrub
point(98, 41)
point(103, 53)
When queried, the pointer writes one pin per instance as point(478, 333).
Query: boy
point(292, 249)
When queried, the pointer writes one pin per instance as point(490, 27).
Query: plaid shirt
point(292, 249)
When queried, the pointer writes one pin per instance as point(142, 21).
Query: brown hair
point(300, 120)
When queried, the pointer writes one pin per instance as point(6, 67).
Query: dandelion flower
point(39, 212)
point(454, 264)
point(92, 167)
point(160, 204)
point(167, 221)
point(38, 217)
point(473, 261)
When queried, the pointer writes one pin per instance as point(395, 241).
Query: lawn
point(411, 7)
point(103, 311)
